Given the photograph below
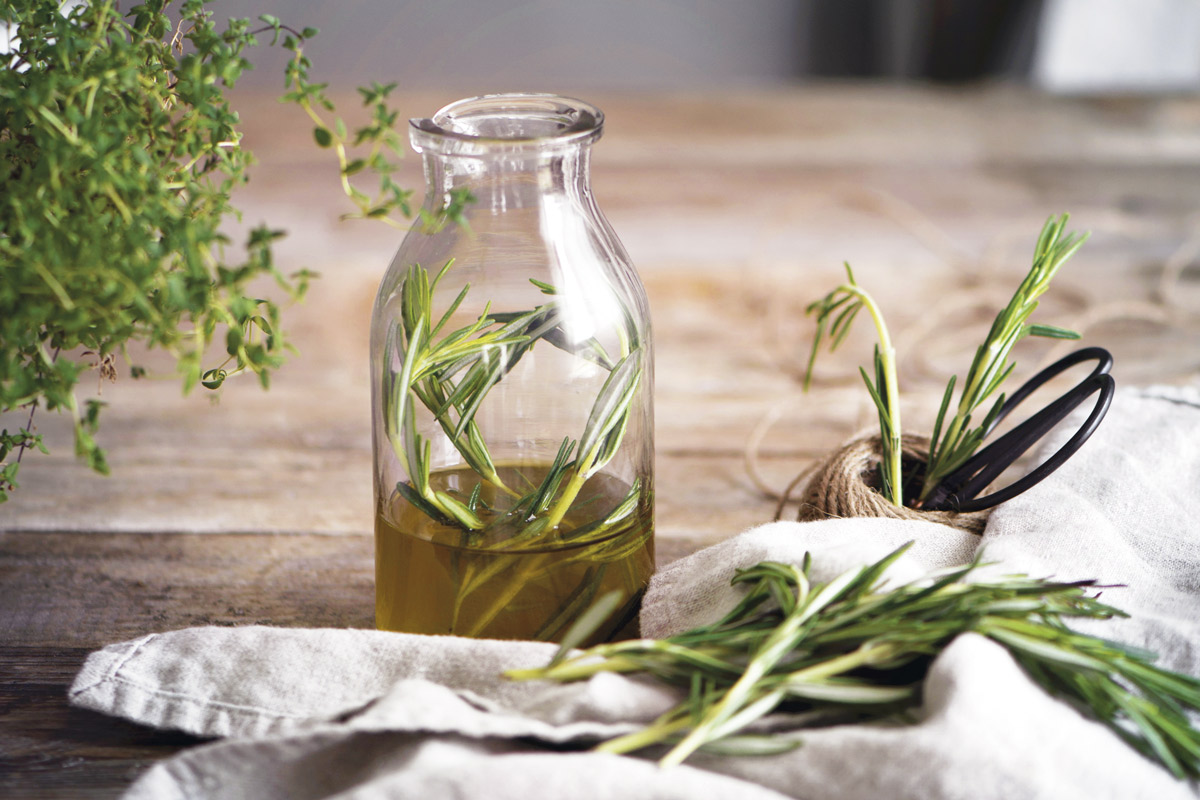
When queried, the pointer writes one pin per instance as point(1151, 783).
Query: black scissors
point(958, 490)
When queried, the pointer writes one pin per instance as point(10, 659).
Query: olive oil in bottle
point(504, 582)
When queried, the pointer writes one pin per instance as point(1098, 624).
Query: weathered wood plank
point(87, 590)
point(69, 593)
point(48, 749)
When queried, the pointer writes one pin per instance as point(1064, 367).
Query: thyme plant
point(119, 152)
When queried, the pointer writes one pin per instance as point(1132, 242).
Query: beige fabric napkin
point(365, 714)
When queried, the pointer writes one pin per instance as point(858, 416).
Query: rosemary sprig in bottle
point(450, 374)
point(850, 649)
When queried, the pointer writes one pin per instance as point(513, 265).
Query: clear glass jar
point(512, 382)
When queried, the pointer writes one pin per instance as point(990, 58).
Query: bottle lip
point(507, 123)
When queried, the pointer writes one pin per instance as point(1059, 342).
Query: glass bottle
point(512, 386)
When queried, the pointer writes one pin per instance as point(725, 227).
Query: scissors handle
point(1102, 357)
point(958, 490)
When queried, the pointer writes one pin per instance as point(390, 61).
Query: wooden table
point(738, 209)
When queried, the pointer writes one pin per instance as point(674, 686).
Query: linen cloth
point(369, 714)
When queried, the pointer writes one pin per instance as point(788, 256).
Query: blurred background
point(484, 46)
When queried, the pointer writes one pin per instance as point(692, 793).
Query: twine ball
point(846, 485)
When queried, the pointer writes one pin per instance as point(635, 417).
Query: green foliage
point(118, 155)
point(377, 145)
point(450, 374)
point(951, 447)
point(849, 650)
point(991, 365)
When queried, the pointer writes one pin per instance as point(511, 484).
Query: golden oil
point(500, 583)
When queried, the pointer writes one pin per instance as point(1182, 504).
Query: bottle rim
point(518, 121)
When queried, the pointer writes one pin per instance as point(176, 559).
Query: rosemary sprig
point(451, 377)
point(835, 312)
point(603, 432)
point(991, 366)
point(851, 649)
point(427, 367)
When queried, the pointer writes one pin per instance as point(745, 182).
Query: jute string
point(846, 485)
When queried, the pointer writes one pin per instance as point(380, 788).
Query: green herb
point(836, 312)
point(119, 152)
point(450, 374)
point(851, 650)
point(991, 366)
point(374, 148)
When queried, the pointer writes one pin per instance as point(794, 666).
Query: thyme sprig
point(852, 650)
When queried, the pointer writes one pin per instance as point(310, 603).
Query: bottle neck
point(508, 181)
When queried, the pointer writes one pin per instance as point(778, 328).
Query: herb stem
point(990, 366)
point(650, 735)
point(569, 493)
point(511, 589)
point(835, 312)
point(891, 396)
point(865, 654)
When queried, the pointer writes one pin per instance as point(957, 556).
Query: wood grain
point(738, 210)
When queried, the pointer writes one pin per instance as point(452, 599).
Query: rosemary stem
point(650, 735)
point(892, 450)
point(967, 401)
point(511, 589)
point(776, 646)
point(577, 669)
point(570, 492)
point(866, 654)
point(887, 356)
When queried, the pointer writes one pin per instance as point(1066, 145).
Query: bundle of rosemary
point(849, 650)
